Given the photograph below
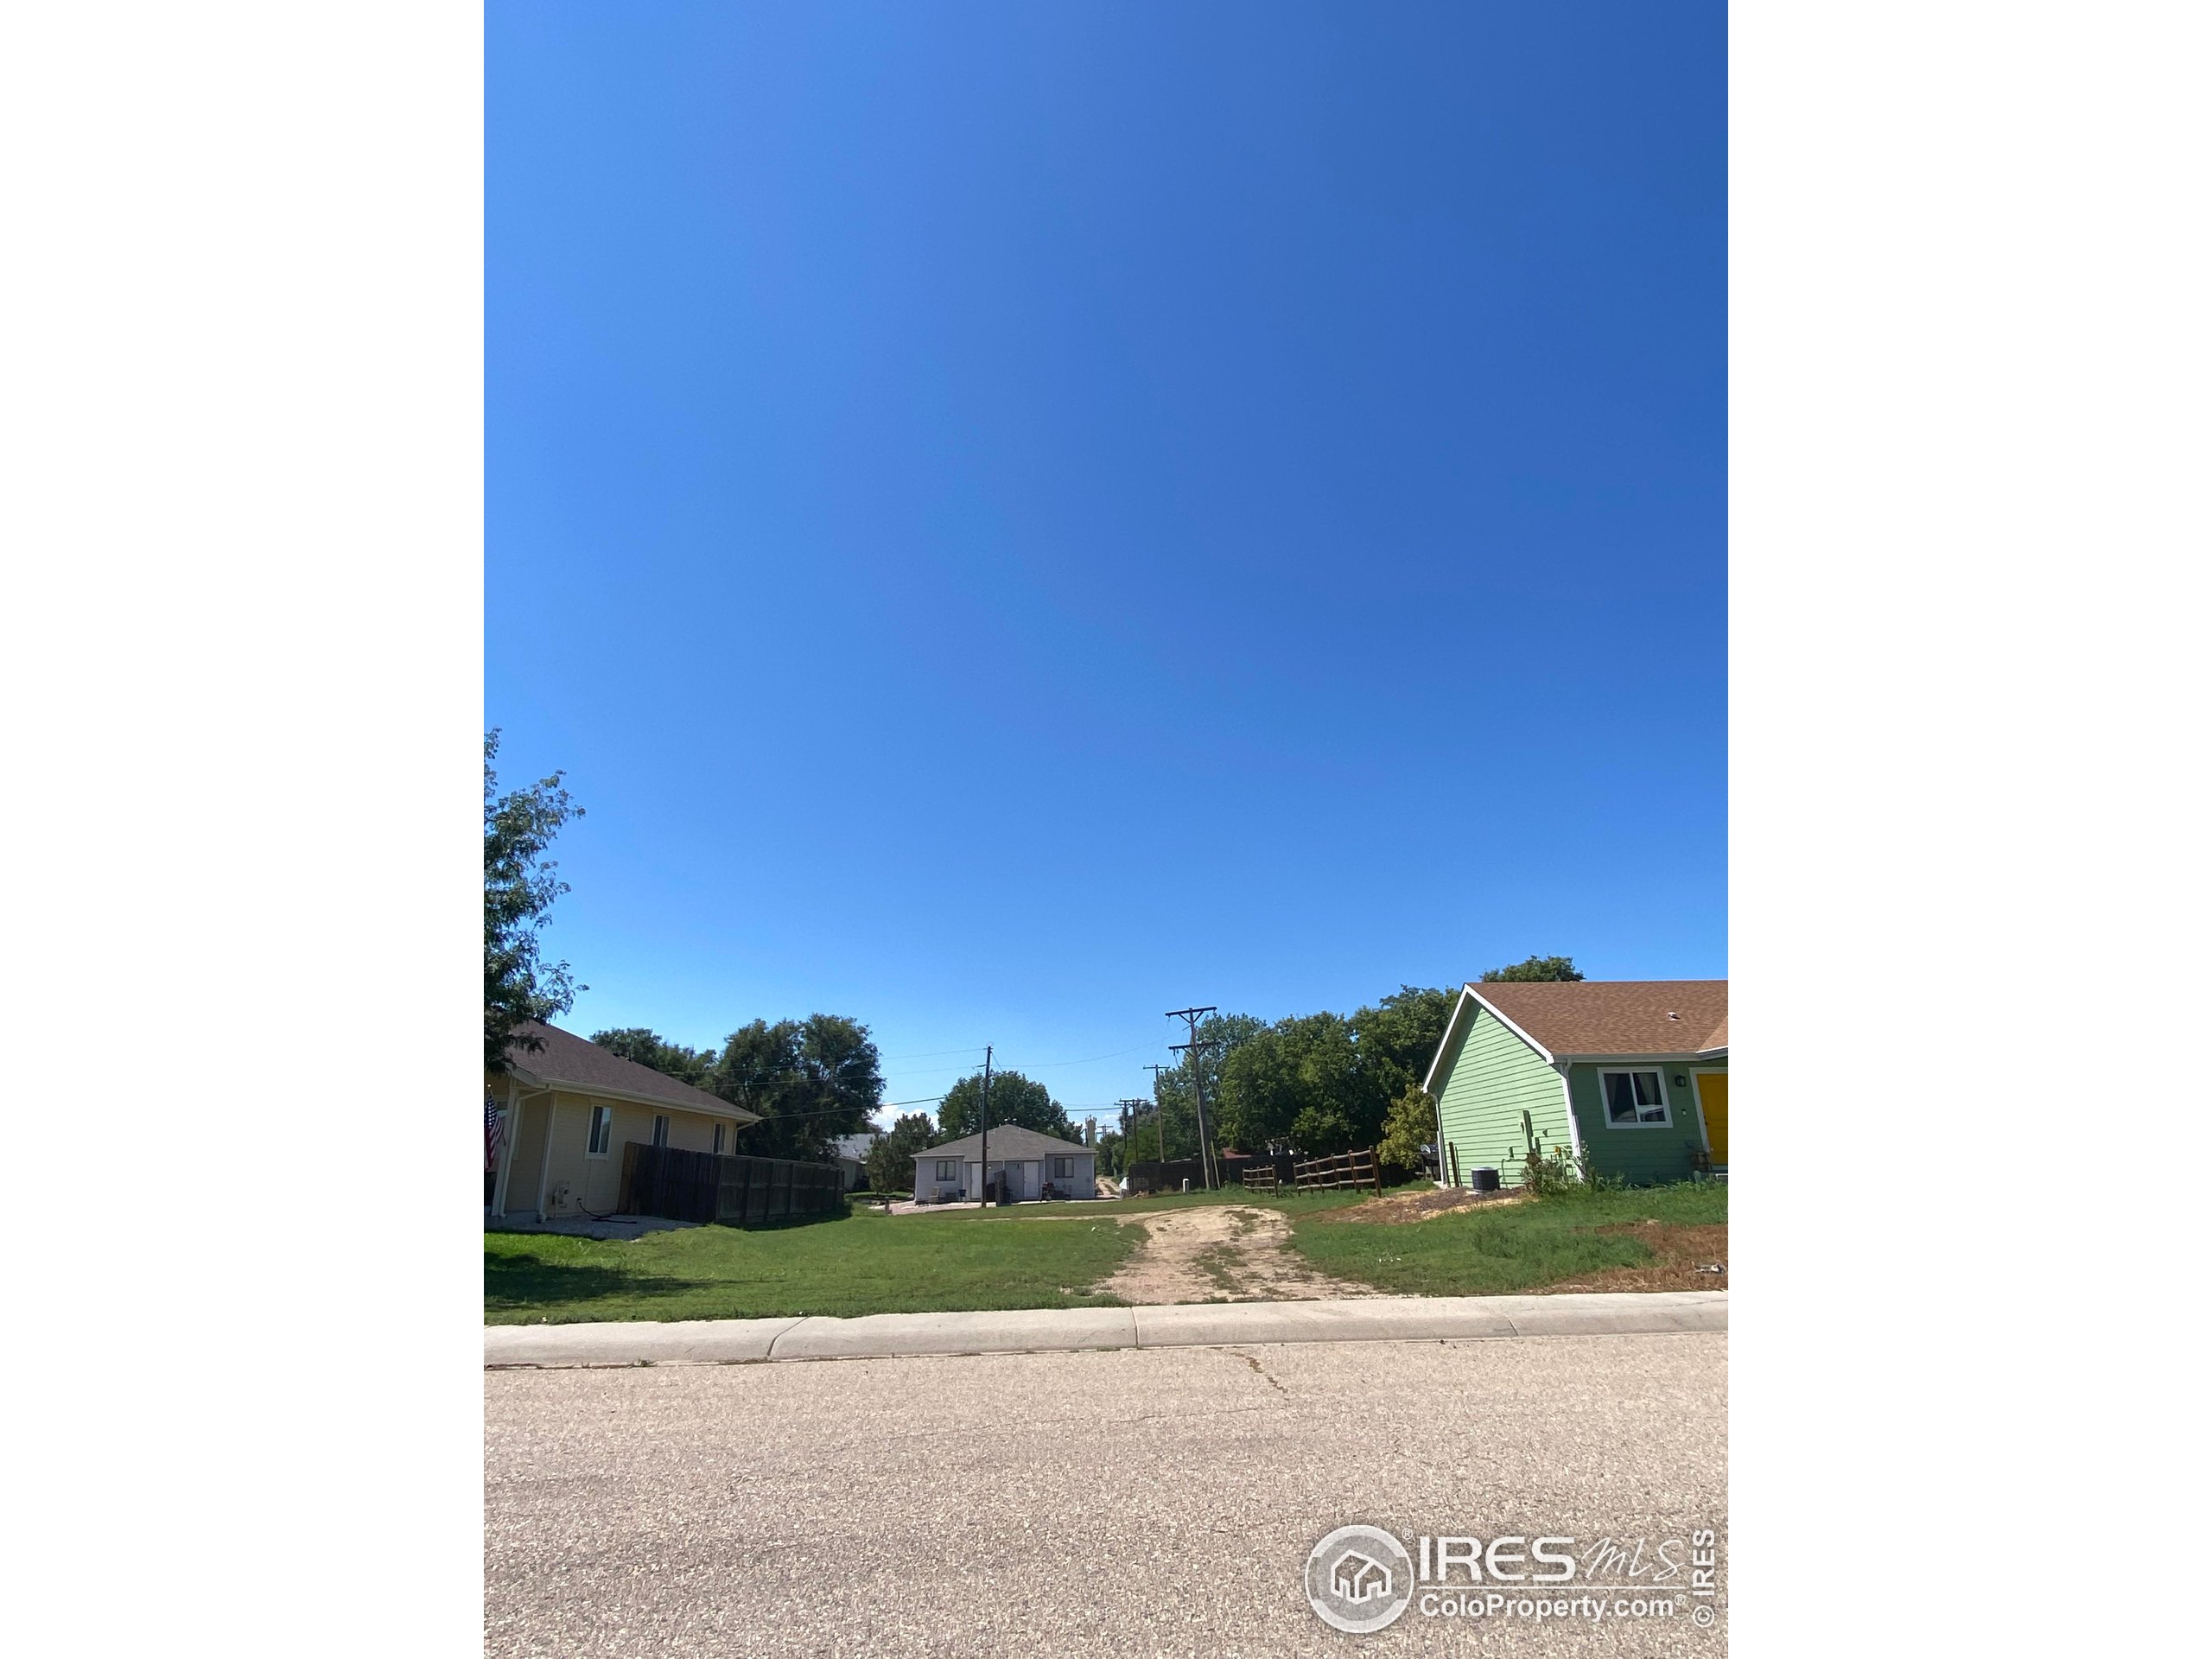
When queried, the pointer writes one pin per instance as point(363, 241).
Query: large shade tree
point(1325, 1083)
point(812, 1080)
point(1174, 1102)
point(645, 1047)
point(1300, 1085)
point(1535, 969)
point(519, 888)
point(1014, 1100)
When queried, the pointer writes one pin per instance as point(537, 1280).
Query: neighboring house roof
point(567, 1061)
point(857, 1146)
point(1011, 1141)
point(1602, 1019)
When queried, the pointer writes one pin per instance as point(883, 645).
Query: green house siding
point(1648, 1154)
point(1491, 1080)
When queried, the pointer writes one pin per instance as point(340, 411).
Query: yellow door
point(1713, 1100)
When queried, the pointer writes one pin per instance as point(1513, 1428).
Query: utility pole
point(1198, 1084)
point(984, 1157)
point(1158, 1110)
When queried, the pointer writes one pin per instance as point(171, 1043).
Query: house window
point(602, 1130)
point(1634, 1100)
point(1063, 1169)
point(660, 1130)
point(718, 1139)
point(948, 1169)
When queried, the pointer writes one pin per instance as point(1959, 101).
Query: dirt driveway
point(1222, 1252)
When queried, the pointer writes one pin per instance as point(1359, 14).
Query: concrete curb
point(1061, 1330)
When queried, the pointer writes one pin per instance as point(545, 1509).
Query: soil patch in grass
point(1679, 1257)
point(1404, 1207)
point(1219, 1253)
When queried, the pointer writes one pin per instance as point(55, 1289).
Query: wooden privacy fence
point(680, 1185)
point(1346, 1169)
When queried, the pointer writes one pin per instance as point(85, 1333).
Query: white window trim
point(591, 1132)
point(1605, 1107)
point(941, 1175)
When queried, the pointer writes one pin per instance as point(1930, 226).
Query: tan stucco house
point(568, 1108)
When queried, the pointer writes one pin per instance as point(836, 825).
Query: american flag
point(492, 1119)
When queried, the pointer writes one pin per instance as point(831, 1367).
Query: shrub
point(1562, 1175)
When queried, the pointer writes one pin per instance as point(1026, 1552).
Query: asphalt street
point(1137, 1502)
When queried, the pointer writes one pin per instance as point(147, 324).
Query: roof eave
point(709, 1106)
point(1669, 1055)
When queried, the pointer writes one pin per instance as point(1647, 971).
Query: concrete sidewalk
point(1382, 1319)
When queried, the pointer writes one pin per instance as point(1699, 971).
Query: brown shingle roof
point(567, 1061)
point(1617, 1016)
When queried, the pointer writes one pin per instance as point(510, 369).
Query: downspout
point(1573, 1129)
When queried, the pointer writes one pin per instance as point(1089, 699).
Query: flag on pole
point(494, 1121)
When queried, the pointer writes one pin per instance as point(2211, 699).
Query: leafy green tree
point(812, 1080)
point(1301, 1085)
point(1014, 1100)
point(1110, 1152)
point(1175, 1120)
point(1535, 970)
point(1219, 1035)
point(1322, 1083)
point(645, 1047)
point(1407, 1127)
point(891, 1160)
point(1398, 1036)
point(519, 888)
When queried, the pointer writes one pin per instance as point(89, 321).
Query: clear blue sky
point(1019, 516)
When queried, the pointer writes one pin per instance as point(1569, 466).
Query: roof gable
point(567, 1061)
point(1010, 1140)
point(1606, 1017)
point(1590, 1018)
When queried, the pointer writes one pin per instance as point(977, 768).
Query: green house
point(1631, 1073)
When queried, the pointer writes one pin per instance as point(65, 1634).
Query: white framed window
point(948, 1169)
point(602, 1130)
point(660, 1130)
point(1634, 1100)
point(1063, 1169)
point(719, 1127)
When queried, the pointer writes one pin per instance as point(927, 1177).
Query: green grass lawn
point(862, 1264)
point(1046, 1255)
point(1514, 1247)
